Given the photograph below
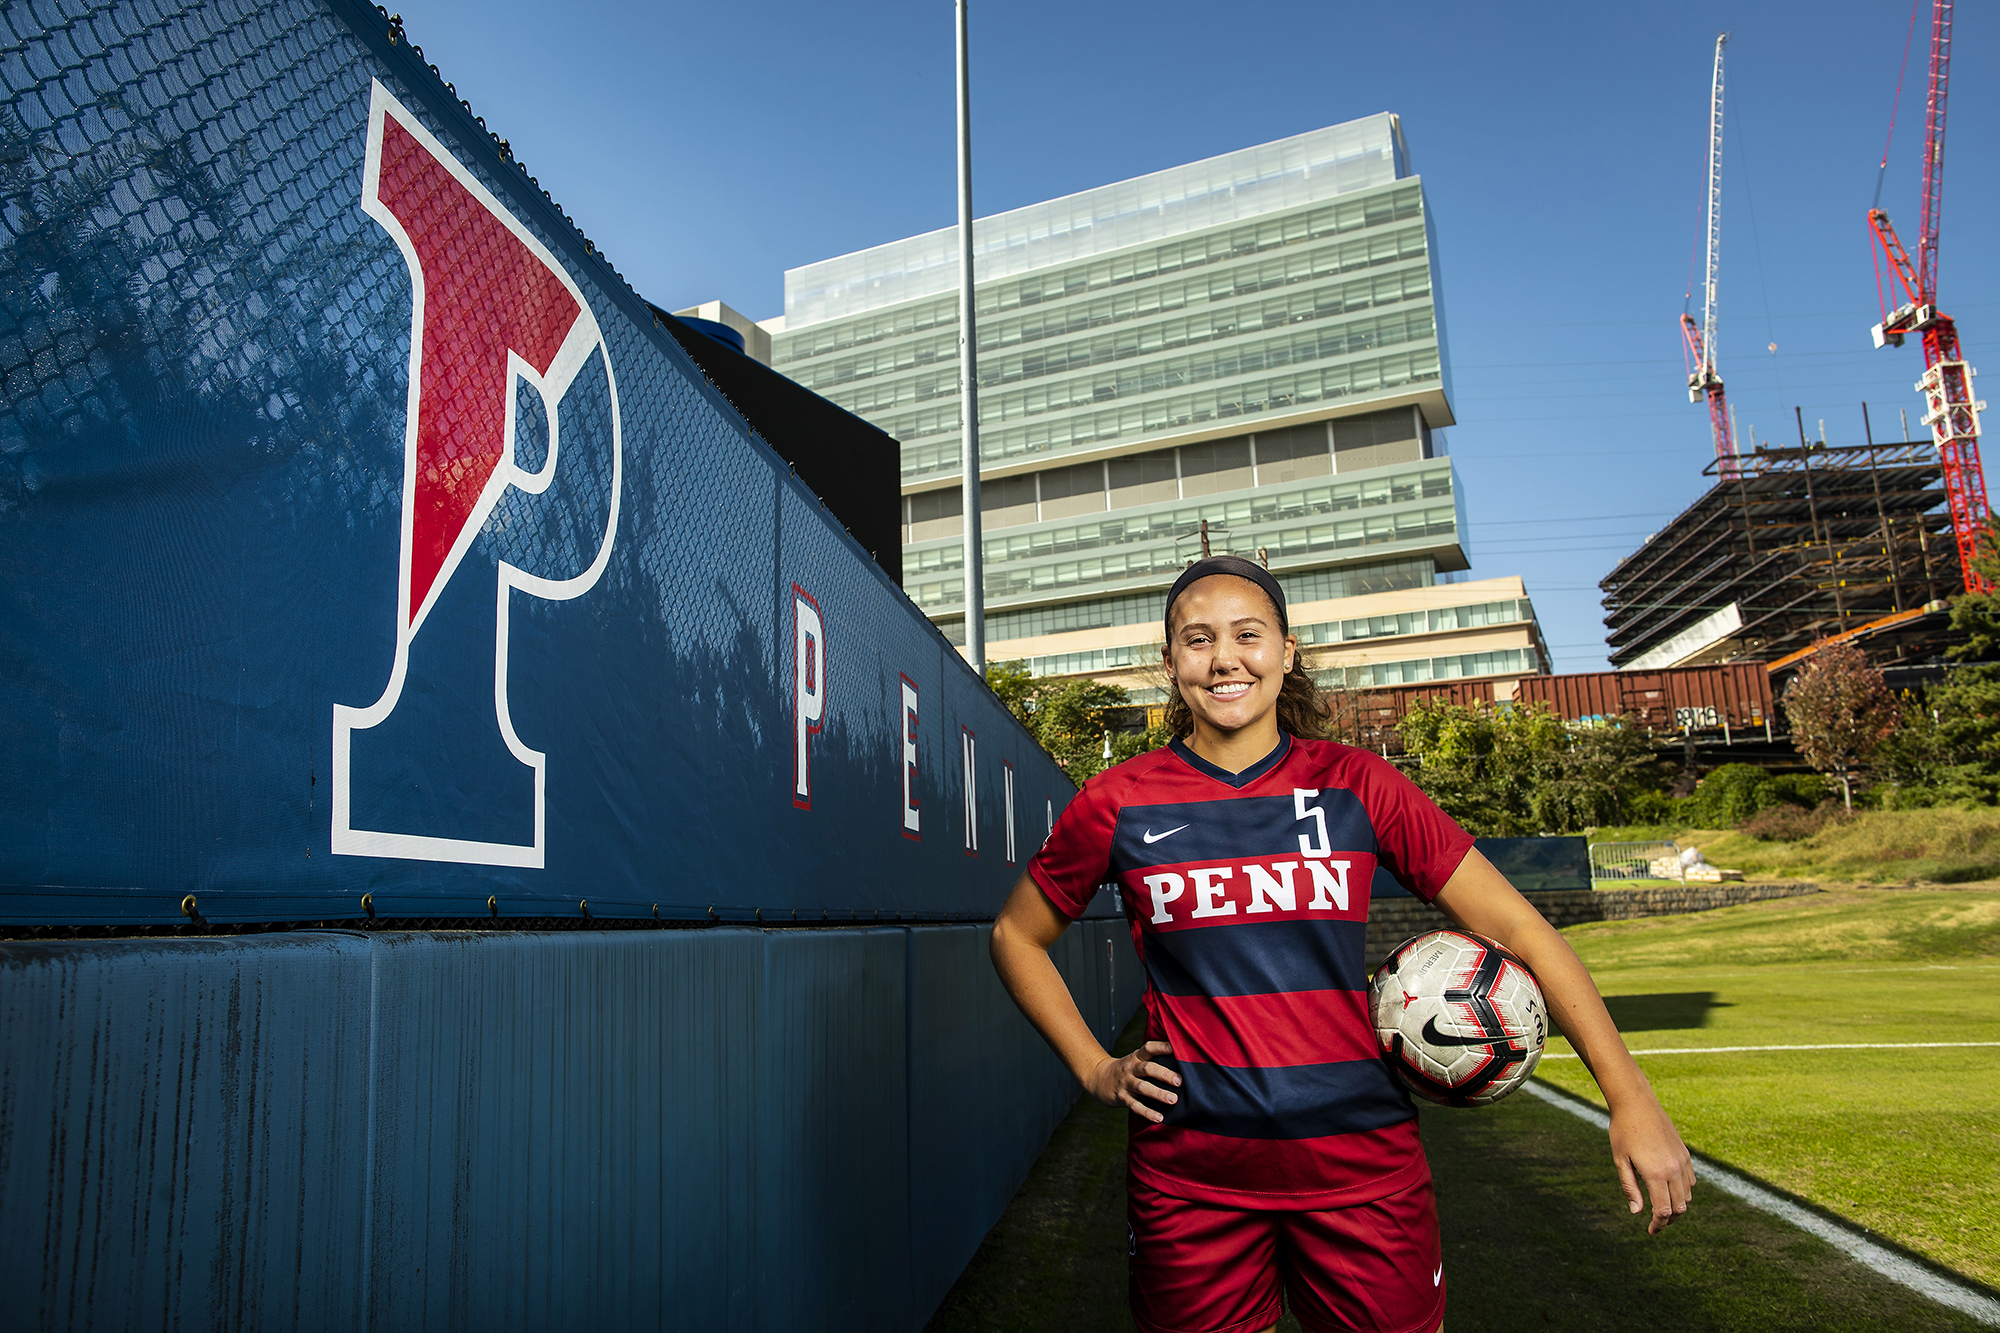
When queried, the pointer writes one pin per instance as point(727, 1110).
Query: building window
point(1377, 439)
point(1290, 455)
point(1007, 502)
point(1067, 491)
point(1144, 479)
point(931, 515)
point(1221, 465)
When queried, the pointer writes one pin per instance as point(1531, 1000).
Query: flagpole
point(968, 372)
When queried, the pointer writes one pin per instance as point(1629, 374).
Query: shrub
point(1805, 790)
point(1518, 771)
point(1786, 823)
point(1726, 797)
point(1911, 798)
point(1654, 807)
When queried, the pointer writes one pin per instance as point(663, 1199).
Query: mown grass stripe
point(1824, 1046)
point(1847, 1240)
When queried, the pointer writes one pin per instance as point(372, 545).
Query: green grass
point(1837, 925)
point(1876, 846)
point(1536, 1231)
point(1537, 1237)
point(1056, 1257)
point(1905, 1142)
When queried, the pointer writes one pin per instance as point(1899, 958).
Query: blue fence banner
point(1541, 865)
point(364, 536)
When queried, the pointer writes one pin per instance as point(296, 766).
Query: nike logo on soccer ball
point(1438, 1276)
point(1152, 837)
point(1436, 1038)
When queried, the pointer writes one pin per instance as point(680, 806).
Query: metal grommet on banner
point(583, 906)
point(188, 907)
point(760, 914)
point(656, 911)
point(711, 913)
point(493, 904)
point(368, 905)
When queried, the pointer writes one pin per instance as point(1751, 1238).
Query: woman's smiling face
point(1228, 655)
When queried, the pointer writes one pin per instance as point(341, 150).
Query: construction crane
point(1704, 381)
point(1949, 407)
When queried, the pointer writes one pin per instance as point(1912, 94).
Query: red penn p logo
point(491, 309)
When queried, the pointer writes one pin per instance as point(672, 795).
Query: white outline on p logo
point(458, 456)
point(808, 690)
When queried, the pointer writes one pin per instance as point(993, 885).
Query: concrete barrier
point(1393, 920)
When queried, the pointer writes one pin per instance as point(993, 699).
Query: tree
point(1012, 685)
point(1840, 712)
point(1518, 771)
point(1966, 706)
point(1915, 759)
point(1070, 718)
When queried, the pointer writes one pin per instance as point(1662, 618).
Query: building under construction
point(1790, 547)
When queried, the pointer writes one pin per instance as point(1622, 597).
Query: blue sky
point(707, 148)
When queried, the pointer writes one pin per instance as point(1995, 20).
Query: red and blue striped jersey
point(1248, 897)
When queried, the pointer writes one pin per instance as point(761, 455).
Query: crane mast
point(1704, 381)
point(1950, 409)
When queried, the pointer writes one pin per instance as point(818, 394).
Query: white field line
point(1791, 969)
point(1828, 1046)
point(1849, 1240)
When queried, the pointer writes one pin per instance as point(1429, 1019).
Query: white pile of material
point(1690, 866)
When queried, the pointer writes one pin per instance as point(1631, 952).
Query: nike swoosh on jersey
point(1436, 1038)
point(1438, 1276)
point(1152, 837)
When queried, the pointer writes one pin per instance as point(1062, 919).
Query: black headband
point(1234, 565)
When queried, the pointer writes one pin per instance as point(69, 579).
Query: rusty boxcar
point(1736, 695)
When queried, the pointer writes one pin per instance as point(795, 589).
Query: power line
point(1593, 518)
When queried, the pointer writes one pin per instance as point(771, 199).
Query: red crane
point(1704, 380)
point(1950, 410)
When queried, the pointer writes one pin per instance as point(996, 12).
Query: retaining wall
point(1393, 920)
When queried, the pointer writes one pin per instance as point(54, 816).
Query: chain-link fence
point(363, 536)
point(1636, 861)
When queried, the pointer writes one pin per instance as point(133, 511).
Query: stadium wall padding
point(368, 552)
point(364, 536)
point(724, 1128)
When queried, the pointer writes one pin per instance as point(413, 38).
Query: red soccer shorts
point(1206, 1268)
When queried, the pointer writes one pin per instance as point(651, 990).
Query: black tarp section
point(852, 465)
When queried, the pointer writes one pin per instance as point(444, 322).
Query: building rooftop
point(1249, 182)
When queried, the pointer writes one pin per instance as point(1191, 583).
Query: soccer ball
point(1460, 1019)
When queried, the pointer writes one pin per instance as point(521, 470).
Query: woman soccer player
point(1270, 1145)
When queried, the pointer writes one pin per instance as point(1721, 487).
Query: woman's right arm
point(1022, 935)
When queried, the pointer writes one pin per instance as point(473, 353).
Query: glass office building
point(1245, 350)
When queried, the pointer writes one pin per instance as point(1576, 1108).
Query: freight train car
point(1734, 698)
point(1734, 695)
point(1369, 719)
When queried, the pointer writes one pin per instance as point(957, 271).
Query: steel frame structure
point(1805, 542)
